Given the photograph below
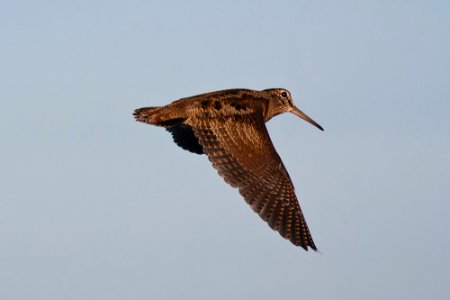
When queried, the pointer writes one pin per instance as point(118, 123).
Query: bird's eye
point(284, 94)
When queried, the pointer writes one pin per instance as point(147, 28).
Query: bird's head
point(280, 101)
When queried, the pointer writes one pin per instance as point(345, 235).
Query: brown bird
point(229, 127)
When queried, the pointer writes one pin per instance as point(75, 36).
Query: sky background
point(96, 206)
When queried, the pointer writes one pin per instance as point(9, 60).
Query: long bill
point(305, 117)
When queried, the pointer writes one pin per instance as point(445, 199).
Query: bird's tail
point(157, 115)
point(147, 114)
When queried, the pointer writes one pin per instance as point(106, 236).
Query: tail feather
point(147, 115)
point(156, 116)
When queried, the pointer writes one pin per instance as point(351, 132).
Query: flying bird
point(229, 127)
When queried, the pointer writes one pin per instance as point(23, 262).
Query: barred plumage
point(229, 127)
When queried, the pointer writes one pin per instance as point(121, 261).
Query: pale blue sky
point(96, 206)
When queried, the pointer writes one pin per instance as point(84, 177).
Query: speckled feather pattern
point(230, 129)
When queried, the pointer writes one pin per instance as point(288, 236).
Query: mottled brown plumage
point(229, 127)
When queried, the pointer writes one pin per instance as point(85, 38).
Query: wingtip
point(309, 246)
point(313, 247)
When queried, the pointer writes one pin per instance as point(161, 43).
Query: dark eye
point(284, 94)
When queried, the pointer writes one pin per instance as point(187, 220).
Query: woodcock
point(229, 127)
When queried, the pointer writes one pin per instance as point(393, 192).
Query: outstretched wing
point(240, 148)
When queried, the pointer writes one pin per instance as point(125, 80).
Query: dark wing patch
point(243, 154)
point(184, 137)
